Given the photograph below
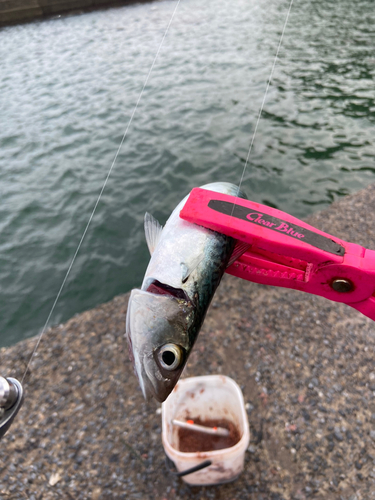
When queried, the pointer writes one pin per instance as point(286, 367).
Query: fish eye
point(170, 356)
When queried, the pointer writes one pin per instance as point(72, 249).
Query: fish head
point(157, 329)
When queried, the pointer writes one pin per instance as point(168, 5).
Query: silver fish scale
point(183, 245)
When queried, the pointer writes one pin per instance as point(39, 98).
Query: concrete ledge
point(15, 16)
point(13, 11)
point(306, 367)
point(6, 5)
point(19, 11)
point(57, 6)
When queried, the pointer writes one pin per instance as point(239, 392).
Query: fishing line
point(100, 194)
point(264, 98)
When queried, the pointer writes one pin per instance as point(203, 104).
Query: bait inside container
point(208, 397)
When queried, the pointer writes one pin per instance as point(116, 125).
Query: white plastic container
point(212, 396)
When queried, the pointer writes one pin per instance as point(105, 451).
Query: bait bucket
point(207, 397)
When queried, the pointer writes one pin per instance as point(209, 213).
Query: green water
point(68, 87)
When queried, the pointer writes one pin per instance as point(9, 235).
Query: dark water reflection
point(68, 87)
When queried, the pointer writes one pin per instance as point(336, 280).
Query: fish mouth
point(158, 288)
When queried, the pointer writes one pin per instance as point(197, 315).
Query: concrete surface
point(306, 366)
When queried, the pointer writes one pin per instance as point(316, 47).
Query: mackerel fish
point(164, 316)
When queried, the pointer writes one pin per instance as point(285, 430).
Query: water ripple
point(65, 104)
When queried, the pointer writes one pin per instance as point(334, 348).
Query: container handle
point(196, 468)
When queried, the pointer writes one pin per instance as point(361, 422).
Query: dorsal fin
point(153, 231)
point(240, 248)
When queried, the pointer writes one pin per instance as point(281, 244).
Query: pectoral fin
point(188, 268)
point(153, 231)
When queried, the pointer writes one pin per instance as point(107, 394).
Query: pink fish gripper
point(285, 251)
